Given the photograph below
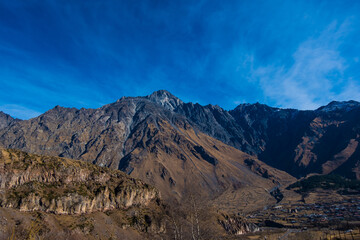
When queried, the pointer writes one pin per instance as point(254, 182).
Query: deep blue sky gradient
point(75, 53)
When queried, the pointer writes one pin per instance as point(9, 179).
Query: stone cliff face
point(57, 185)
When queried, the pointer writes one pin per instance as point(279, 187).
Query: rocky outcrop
point(75, 203)
point(237, 225)
point(57, 185)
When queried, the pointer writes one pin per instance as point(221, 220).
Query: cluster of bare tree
point(193, 219)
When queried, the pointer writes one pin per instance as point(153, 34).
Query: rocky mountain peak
point(165, 99)
point(339, 105)
point(254, 107)
point(57, 112)
point(215, 107)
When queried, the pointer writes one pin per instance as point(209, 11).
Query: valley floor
point(314, 218)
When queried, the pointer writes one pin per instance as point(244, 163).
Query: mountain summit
point(165, 99)
point(335, 105)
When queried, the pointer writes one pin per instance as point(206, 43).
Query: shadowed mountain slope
point(303, 142)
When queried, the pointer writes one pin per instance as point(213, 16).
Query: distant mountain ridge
point(302, 142)
point(299, 142)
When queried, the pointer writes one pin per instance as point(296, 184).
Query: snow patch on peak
point(165, 99)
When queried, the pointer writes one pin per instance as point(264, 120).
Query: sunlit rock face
point(57, 185)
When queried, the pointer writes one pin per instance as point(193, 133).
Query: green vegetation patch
point(327, 182)
point(47, 190)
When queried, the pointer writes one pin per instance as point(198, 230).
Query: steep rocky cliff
point(58, 185)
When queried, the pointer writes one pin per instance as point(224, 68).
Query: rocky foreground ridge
point(58, 185)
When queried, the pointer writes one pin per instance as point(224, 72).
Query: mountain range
point(180, 147)
point(299, 142)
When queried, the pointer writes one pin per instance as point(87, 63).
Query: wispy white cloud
point(18, 111)
point(315, 75)
point(351, 91)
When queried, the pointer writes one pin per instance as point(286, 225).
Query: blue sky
point(291, 54)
